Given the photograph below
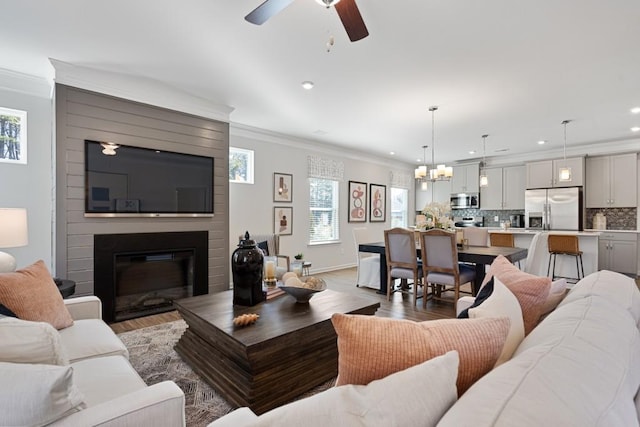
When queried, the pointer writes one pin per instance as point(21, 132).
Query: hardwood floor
point(400, 306)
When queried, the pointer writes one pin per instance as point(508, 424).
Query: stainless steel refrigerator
point(553, 209)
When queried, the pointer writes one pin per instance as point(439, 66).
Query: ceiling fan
point(347, 11)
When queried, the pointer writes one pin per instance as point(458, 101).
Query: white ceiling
point(512, 69)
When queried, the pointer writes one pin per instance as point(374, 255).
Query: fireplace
point(142, 273)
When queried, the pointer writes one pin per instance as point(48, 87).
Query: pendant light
point(421, 171)
point(484, 180)
point(440, 172)
point(564, 173)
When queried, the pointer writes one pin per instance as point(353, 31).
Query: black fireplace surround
point(109, 247)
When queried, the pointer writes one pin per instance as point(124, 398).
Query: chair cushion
point(104, 378)
point(416, 396)
point(371, 348)
point(24, 341)
point(403, 273)
point(467, 274)
point(89, 338)
point(37, 395)
point(32, 294)
point(531, 291)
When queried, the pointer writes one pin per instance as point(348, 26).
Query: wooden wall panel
point(82, 114)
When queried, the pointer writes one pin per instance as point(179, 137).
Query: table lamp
point(13, 233)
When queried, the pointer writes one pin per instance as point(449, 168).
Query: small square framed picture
point(282, 187)
point(283, 220)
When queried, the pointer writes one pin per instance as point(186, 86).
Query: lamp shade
point(13, 227)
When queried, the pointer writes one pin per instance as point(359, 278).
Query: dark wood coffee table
point(288, 351)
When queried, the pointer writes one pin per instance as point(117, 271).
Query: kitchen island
point(565, 265)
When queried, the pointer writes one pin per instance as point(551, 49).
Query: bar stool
point(561, 244)
point(505, 240)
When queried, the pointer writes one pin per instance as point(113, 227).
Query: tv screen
point(144, 182)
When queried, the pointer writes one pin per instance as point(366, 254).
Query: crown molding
point(249, 132)
point(139, 89)
point(15, 81)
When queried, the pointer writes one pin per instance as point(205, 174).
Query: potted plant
point(299, 256)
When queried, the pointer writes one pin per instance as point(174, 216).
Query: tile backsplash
point(617, 218)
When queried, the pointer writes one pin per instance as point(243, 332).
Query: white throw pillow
point(417, 396)
point(503, 303)
point(36, 395)
point(24, 341)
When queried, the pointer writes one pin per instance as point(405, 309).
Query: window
point(399, 207)
point(240, 165)
point(324, 222)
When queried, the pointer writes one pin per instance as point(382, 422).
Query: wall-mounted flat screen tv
point(134, 181)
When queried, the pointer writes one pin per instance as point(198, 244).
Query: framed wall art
point(357, 201)
point(378, 203)
point(282, 187)
point(283, 220)
point(13, 136)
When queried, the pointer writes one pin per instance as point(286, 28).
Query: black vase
point(246, 266)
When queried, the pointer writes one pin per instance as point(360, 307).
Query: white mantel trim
point(138, 89)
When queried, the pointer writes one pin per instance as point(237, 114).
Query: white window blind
point(324, 220)
point(240, 165)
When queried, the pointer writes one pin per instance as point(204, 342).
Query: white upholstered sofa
point(580, 366)
point(77, 376)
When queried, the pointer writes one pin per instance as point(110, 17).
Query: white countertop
point(586, 233)
point(614, 231)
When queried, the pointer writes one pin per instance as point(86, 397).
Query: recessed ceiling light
point(635, 110)
point(307, 84)
point(635, 129)
point(542, 142)
point(472, 152)
point(393, 153)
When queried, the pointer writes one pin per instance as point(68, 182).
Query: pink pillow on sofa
point(531, 291)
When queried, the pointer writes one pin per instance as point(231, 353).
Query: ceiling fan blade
point(351, 19)
point(266, 10)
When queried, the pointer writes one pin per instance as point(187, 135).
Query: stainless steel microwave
point(465, 201)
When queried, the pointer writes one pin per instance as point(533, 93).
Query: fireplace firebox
point(143, 273)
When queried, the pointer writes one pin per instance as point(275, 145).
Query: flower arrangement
point(436, 215)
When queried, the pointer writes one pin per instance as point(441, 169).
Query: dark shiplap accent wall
point(82, 114)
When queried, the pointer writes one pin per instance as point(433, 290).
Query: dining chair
point(441, 269)
point(476, 236)
point(537, 254)
point(367, 264)
point(402, 260)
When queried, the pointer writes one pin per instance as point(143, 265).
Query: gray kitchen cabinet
point(505, 190)
point(439, 191)
point(618, 252)
point(466, 179)
point(611, 181)
point(545, 173)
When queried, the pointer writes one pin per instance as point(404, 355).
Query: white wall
point(251, 206)
point(30, 186)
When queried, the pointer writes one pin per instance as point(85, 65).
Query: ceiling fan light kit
point(347, 11)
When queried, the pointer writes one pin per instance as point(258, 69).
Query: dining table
point(481, 256)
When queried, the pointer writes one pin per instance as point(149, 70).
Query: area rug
point(151, 354)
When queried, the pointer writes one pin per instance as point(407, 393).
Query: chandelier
point(440, 172)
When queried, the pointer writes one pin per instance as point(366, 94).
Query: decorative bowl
point(302, 294)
